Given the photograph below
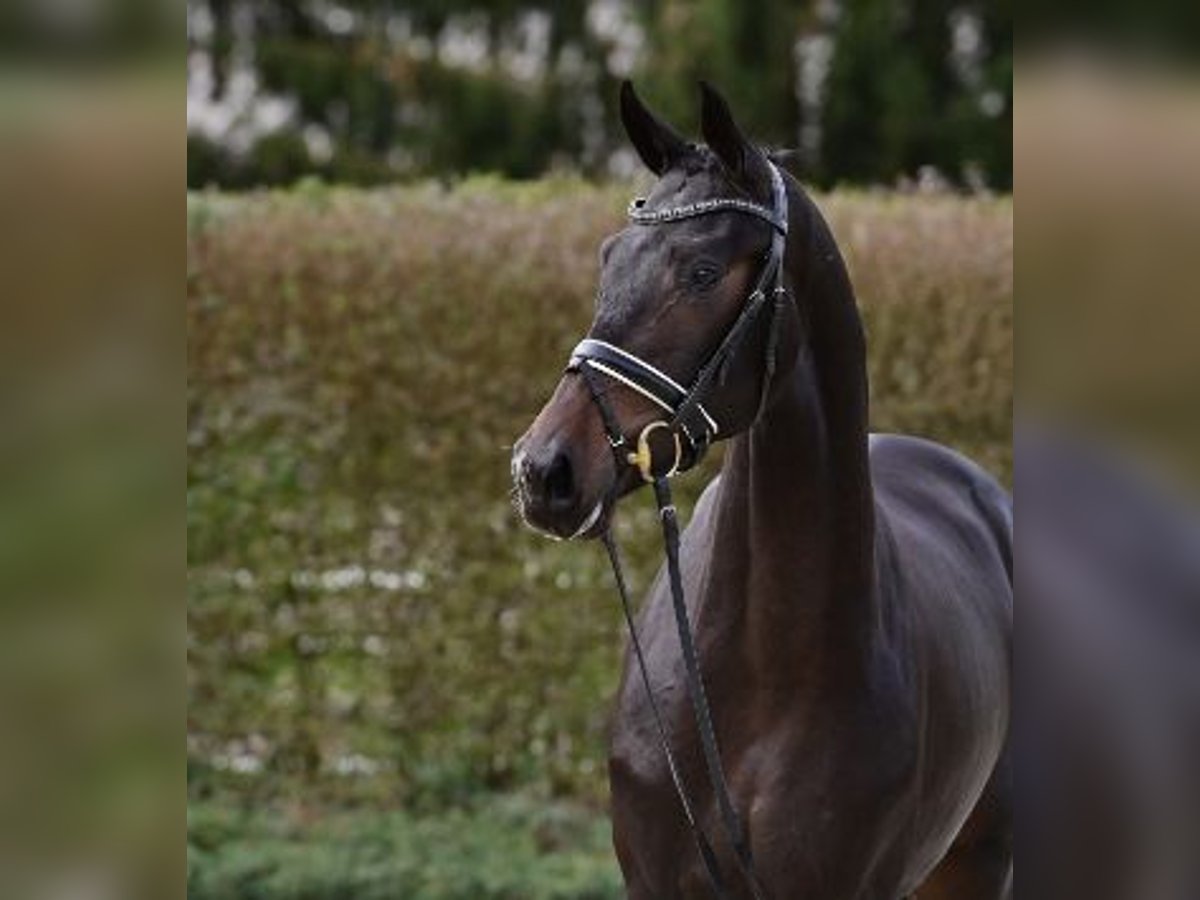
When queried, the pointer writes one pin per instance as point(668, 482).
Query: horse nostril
point(560, 482)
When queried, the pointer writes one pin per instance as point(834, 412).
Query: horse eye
point(704, 275)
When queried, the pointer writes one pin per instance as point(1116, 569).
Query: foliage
point(744, 48)
point(513, 848)
point(905, 86)
point(899, 99)
point(367, 620)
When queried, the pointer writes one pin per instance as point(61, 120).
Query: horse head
point(668, 300)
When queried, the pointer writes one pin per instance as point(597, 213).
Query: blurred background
point(867, 91)
point(394, 690)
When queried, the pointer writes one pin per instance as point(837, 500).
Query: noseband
point(690, 424)
point(691, 429)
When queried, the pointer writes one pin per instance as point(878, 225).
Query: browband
point(639, 214)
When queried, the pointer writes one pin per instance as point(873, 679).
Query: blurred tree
point(377, 91)
point(743, 47)
point(927, 83)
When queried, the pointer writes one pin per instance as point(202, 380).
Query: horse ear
point(657, 143)
point(744, 162)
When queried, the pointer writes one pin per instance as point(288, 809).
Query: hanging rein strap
point(703, 845)
point(700, 708)
point(695, 682)
point(691, 429)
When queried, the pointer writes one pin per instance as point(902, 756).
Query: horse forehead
point(641, 256)
point(683, 185)
point(633, 248)
point(633, 269)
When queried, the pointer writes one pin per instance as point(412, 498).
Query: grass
point(511, 848)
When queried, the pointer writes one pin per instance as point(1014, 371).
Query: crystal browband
point(642, 216)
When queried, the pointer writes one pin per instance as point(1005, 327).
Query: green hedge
point(367, 621)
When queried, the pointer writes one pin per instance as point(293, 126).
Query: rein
point(690, 429)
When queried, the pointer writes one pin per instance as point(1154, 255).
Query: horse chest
point(819, 805)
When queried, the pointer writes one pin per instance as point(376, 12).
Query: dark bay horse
point(850, 594)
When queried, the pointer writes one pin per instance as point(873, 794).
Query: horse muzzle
point(562, 470)
point(550, 494)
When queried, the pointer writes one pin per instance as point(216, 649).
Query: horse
point(850, 593)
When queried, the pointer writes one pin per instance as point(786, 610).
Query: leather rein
point(689, 429)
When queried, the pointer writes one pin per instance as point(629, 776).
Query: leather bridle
point(691, 428)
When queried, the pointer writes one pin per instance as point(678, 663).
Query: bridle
point(691, 429)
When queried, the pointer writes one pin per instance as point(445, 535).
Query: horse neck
point(795, 526)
